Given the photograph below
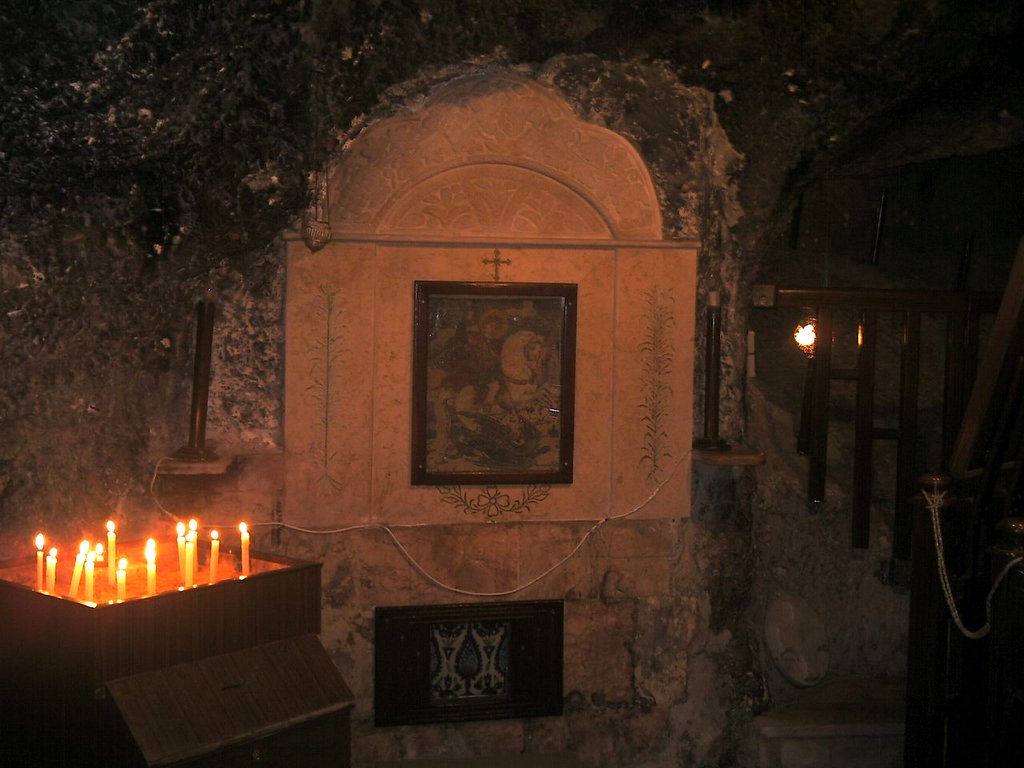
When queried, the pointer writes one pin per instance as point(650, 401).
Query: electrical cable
point(418, 567)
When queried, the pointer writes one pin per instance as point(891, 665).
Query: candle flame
point(91, 557)
point(243, 528)
point(193, 524)
point(83, 547)
point(110, 526)
point(53, 552)
point(181, 530)
point(122, 564)
point(150, 550)
point(99, 549)
point(40, 541)
point(214, 535)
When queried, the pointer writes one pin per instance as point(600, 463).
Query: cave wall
point(97, 331)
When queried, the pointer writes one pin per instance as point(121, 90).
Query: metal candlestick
point(712, 373)
point(196, 449)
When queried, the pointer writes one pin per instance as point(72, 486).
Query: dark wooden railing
point(962, 313)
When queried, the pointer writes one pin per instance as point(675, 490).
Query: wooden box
point(277, 704)
point(57, 654)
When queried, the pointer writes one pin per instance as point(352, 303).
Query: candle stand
point(220, 674)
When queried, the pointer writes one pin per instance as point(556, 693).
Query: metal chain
point(935, 502)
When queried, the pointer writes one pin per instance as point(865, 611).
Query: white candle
point(122, 579)
point(76, 575)
point(90, 577)
point(244, 531)
point(191, 555)
point(181, 551)
point(150, 567)
point(214, 555)
point(190, 559)
point(39, 562)
point(51, 571)
point(111, 552)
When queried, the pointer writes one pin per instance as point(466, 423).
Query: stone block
point(598, 659)
point(803, 753)
point(639, 538)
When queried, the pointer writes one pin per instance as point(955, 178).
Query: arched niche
point(488, 166)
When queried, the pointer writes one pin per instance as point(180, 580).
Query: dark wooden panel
point(192, 711)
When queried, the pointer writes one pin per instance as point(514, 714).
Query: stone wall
point(660, 667)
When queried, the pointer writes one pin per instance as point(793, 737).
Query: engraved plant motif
point(326, 349)
point(491, 501)
point(657, 354)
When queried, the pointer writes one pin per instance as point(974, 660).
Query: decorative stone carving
point(481, 200)
point(481, 122)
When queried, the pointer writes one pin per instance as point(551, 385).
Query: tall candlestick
point(76, 575)
point(243, 529)
point(190, 559)
point(122, 579)
point(51, 571)
point(111, 552)
point(712, 373)
point(39, 562)
point(90, 577)
point(150, 567)
point(214, 555)
point(181, 551)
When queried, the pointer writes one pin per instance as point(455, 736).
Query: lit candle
point(191, 555)
point(51, 571)
point(190, 559)
point(111, 552)
point(90, 577)
point(76, 575)
point(181, 551)
point(244, 530)
point(150, 567)
point(122, 579)
point(39, 561)
point(214, 555)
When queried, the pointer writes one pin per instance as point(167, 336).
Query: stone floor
point(852, 723)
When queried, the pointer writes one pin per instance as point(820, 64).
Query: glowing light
point(805, 336)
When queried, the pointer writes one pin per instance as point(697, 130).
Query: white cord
point(935, 502)
point(390, 531)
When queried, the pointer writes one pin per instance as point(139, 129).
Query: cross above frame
point(497, 261)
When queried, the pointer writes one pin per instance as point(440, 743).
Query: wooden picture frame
point(493, 383)
point(470, 661)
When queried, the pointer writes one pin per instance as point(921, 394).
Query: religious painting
point(493, 383)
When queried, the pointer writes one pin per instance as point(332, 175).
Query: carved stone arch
point(493, 200)
point(505, 153)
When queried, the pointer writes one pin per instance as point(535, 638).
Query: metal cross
point(497, 261)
